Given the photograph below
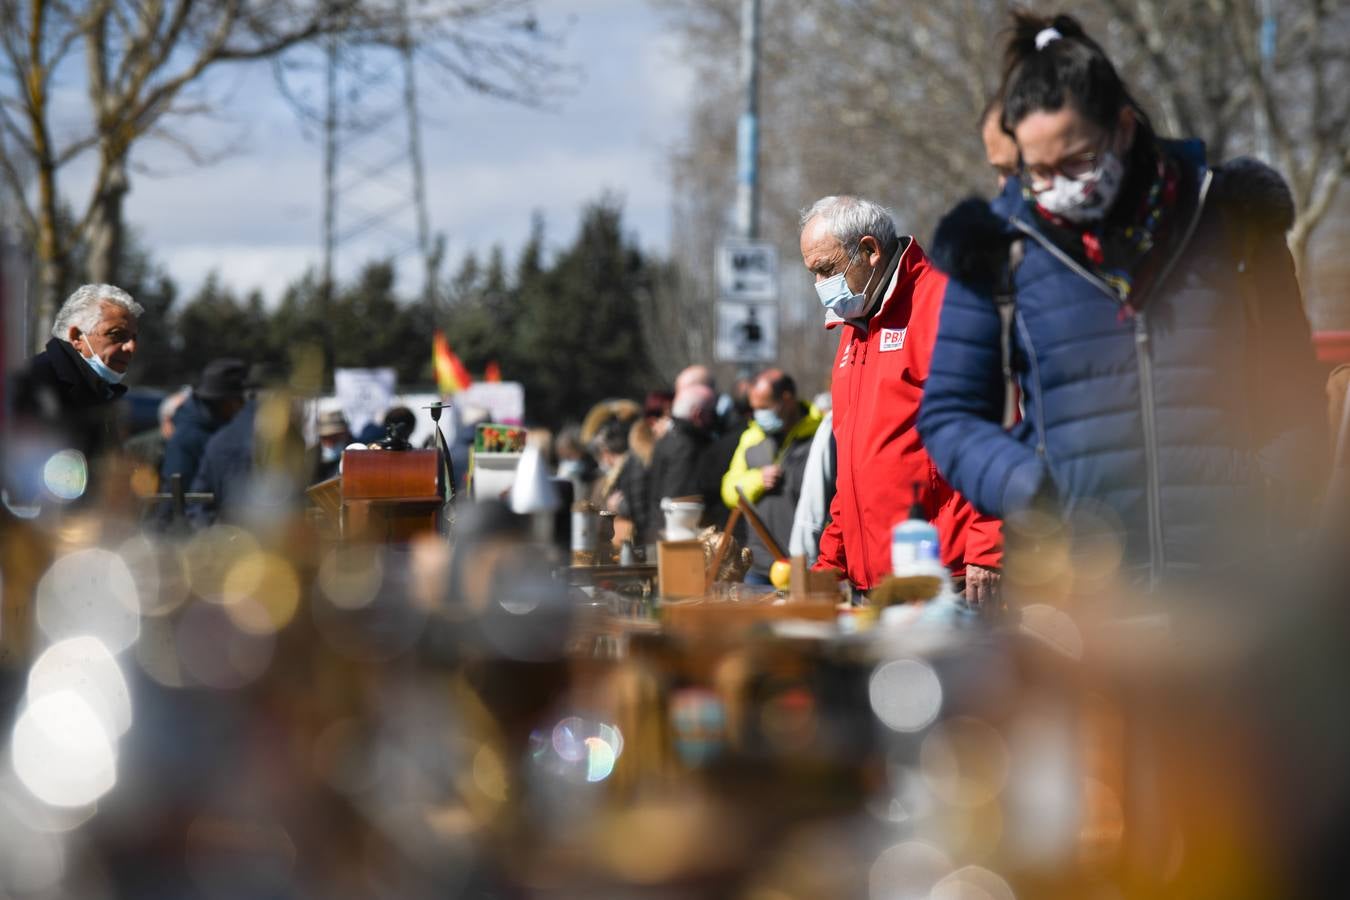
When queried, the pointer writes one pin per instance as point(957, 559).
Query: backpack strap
point(1005, 301)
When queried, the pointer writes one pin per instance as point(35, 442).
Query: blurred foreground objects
point(262, 708)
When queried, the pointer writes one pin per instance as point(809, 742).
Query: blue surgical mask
point(837, 297)
point(102, 370)
point(330, 454)
point(769, 420)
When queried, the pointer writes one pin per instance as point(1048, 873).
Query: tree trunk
point(106, 226)
point(52, 261)
point(51, 282)
point(51, 248)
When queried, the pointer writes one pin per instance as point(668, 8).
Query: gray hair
point(850, 219)
point(81, 308)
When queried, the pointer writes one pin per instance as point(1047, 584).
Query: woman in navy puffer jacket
point(1157, 333)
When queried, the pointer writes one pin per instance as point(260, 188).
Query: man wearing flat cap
point(216, 398)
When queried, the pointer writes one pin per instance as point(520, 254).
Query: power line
point(362, 198)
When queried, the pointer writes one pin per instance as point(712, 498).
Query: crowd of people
point(1097, 391)
point(1120, 331)
point(694, 444)
point(1118, 340)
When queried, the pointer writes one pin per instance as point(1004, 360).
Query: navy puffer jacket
point(1182, 419)
point(193, 425)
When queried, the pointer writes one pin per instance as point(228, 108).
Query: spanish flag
point(492, 372)
point(451, 376)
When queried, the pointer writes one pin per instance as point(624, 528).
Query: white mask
point(1087, 198)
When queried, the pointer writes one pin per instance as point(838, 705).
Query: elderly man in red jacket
point(878, 288)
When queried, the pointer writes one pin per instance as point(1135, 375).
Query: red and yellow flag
point(493, 372)
point(451, 376)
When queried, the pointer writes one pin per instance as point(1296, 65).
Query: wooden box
point(681, 569)
point(806, 584)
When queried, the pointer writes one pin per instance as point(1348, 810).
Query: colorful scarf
point(1116, 248)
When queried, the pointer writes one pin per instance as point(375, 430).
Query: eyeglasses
point(1041, 178)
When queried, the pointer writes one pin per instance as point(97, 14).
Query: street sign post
point(747, 271)
point(746, 332)
point(747, 307)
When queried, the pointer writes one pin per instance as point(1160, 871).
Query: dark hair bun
point(1069, 69)
point(1027, 27)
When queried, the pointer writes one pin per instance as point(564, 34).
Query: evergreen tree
point(465, 284)
point(580, 332)
point(569, 325)
point(483, 307)
point(214, 323)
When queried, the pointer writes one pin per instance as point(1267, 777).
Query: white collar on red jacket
point(897, 271)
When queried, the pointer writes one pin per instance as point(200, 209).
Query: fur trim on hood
point(971, 244)
point(1255, 195)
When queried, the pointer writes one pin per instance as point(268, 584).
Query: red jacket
point(879, 374)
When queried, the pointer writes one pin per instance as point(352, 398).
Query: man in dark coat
point(226, 466)
point(217, 398)
point(251, 469)
point(724, 444)
point(675, 466)
point(70, 388)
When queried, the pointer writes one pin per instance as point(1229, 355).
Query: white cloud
point(479, 198)
point(242, 266)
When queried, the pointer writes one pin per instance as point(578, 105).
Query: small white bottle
point(915, 548)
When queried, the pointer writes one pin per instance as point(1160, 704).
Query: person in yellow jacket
point(769, 462)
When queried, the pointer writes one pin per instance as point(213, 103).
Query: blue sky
point(254, 216)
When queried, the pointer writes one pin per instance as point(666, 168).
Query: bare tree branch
point(16, 133)
point(75, 148)
point(142, 55)
point(138, 109)
point(1142, 19)
point(136, 61)
point(96, 59)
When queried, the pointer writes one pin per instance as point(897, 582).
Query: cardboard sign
point(363, 394)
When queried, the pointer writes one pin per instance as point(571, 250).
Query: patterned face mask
point(1087, 197)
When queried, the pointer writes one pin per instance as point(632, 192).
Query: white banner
point(364, 394)
point(503, 400)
